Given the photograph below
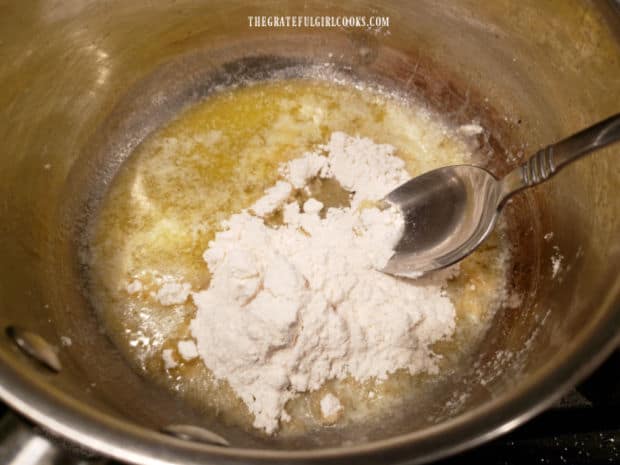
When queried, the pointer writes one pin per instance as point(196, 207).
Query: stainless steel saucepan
point(82, 82)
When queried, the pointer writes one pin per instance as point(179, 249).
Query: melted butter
point(217, 158)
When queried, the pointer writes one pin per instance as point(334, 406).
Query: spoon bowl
point(450, 211)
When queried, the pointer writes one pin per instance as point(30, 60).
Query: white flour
point(187, 349)
point(167, 356)
point(293, 306)
point(167, 289)
point(172, 293)
point(330, 407)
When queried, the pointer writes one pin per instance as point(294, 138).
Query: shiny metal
point(20, 444)
point(195, 433)
point(82, 82)
point(35, 347)
point(450, 211)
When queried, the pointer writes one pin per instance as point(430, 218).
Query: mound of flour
point(292, 306)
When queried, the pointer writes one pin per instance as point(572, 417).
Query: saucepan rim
point(77, 422)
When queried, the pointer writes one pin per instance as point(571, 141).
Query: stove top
point(582, 429)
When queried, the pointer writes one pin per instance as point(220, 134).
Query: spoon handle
point(549, 160)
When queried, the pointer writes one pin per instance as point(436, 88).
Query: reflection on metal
point(475, 60)
point(22, 446)
point(35, 347)
point(450, 211)
point(100, 58)
point(195, 433)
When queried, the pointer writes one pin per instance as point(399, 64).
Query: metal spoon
point(450, 211)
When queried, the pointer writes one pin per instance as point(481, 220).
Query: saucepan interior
point(84, 90)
